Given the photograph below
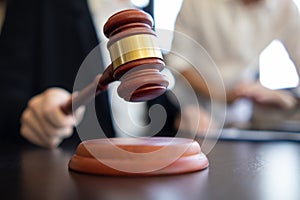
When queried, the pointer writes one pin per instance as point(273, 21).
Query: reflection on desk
point(186, 186)
point(253, 135)
point(44, 175)
point(238, 170)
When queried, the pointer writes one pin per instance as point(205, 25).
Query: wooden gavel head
point(136, 58)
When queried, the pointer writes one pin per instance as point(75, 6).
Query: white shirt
point(128, 118)
point(233, 35)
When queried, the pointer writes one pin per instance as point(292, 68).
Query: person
point(233, 33)
point(42, 45)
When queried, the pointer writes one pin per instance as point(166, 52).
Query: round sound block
point(138, 156)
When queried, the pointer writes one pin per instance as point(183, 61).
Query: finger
point(29, 118)
point(60, 120)
point(279, 99)
point(78, 116)
point(54, 99)
point(30, 129)
point(35, 138)
point(45, 130)
point(44, 108)
point(34, 117)
point(31, 136)
point(30, 121)
point(63, 132)
point(57, 118)
point(46, 137)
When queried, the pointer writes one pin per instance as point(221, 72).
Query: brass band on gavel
point(134, 47)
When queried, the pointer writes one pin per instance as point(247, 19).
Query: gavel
point(137, 61)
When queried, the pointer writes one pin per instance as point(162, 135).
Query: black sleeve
point(16, 63)
point(43, 43)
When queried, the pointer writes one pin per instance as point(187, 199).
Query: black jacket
point(42, 45)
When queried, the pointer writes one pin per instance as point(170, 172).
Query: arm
point(261, 95)
point(21, 53)
point(208, 90)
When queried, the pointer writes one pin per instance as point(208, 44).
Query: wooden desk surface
point(238, 170)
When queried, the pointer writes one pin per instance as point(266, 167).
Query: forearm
point(259, 94)
point(205, 88)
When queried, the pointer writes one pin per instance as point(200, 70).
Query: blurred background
point(269, 64)
point(271, 60)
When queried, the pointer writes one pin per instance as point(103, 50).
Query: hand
point(43, 123)
point(265, 96)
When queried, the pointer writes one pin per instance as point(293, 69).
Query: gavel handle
point(84, 96)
